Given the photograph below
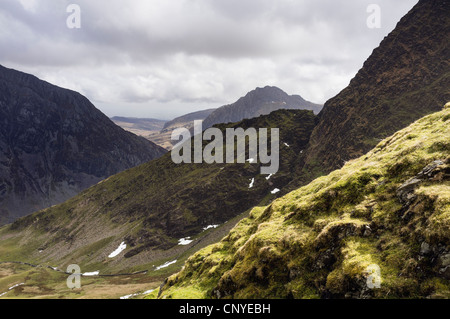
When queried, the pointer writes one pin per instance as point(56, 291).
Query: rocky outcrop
point(55, 143)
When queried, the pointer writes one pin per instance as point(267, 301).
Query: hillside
point(389, 208)
point(163, 136)
point(260, 101)
point(151, 207)
point(55, 143)
point(405, 78)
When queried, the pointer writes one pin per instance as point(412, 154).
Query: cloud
point(148, 57)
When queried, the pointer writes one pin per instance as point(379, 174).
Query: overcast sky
point(164, 58)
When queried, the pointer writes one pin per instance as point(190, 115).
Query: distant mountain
point(181, 121)
point(163, 137)
point(139, 126)
point(55, 143)
point(260, 101)
point(154, 206)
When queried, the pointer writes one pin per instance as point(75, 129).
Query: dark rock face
point(261, 101)
point(405, 78)
point(55, 143)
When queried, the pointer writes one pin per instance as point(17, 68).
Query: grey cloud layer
point(192, 53)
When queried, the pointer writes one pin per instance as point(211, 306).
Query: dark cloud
point(145, 57)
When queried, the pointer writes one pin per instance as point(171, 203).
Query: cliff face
point(260, 101)
point(406, 77)
point(55, 143)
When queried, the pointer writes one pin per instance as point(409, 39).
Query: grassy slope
point(318, 240)
point(151, 206)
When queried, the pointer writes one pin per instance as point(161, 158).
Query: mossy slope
point(389, 208)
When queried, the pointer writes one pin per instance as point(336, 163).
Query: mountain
point(150, 208)
point(260, 101)
point(163, 137)
point(187, 118)
point(376, 228)
point(405, 78)
point(153, 208)
point(55, 143)
point(139, 126)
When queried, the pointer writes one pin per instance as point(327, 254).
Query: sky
point(165, 58)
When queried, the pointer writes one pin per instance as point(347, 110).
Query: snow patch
point(251, 183)
point(137, 294)
point(167, 264)
point(251, 160)
point(209, 227)
point(121, 248)
point(93, 273)
point(268, 177)
point(184, 241)
point(286, 144)
point(276, 190)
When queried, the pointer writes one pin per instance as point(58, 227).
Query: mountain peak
point(260, 101)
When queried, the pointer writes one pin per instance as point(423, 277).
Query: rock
point(430, 169)
point(425, 249)
point(405, 192)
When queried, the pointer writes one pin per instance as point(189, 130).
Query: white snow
point(286, 144)
point(137, 294)
point(209, 227)
point(121, 248)
point(251, 160)
point(251, 183)
point(184, 241)
point(167, 264)
point(268, 177)
point(94, 273)
point(276, 190)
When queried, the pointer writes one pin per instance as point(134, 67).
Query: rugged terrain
point(152, 206)
point(260, 101)
point(156, 206)
point(55, 143)
point(388, 210)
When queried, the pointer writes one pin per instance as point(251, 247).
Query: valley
point(358, 207)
